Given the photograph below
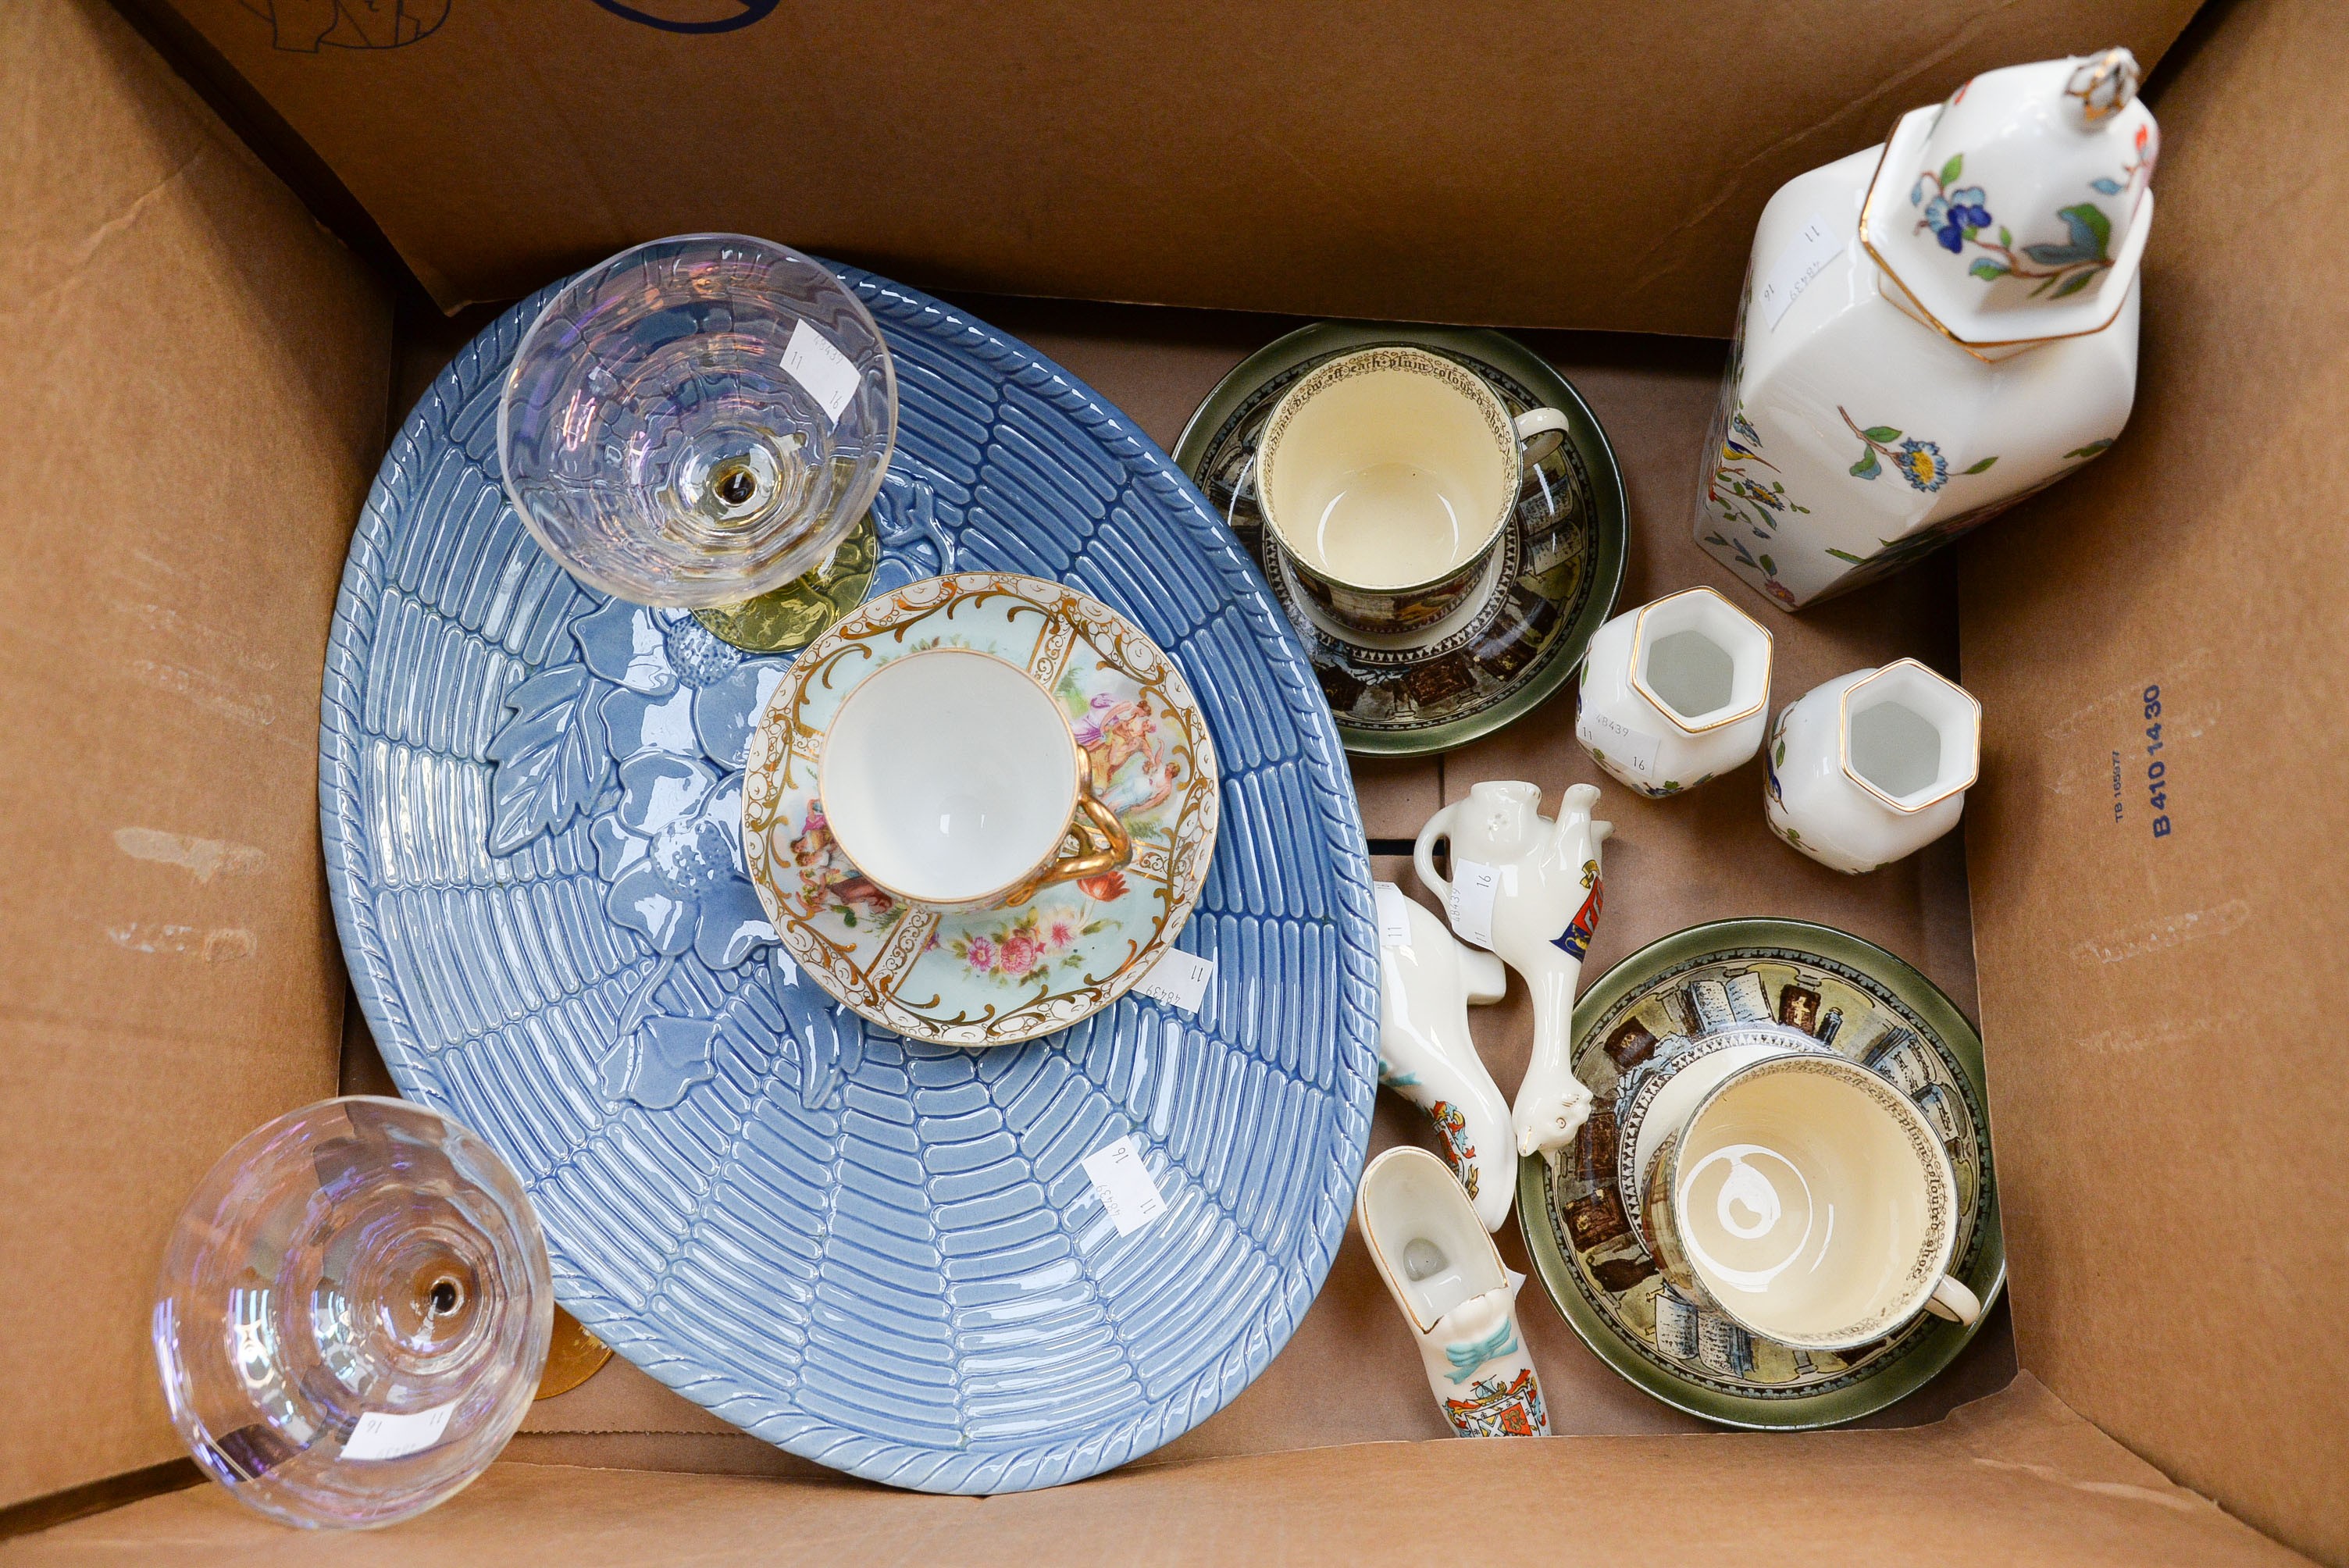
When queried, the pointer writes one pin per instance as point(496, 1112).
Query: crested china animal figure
point(1933, 329)
point(1426, 984)
point(1445, 1272)
point(1530, 890)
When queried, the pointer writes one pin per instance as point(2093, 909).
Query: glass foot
point(791, 618)
point(573, 1357)
point(353, 1313)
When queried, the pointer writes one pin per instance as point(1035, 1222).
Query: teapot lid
point(2018, 210)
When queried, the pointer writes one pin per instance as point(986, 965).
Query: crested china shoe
point(1427, 982)
point(1530, 890)
point(1446, 1275)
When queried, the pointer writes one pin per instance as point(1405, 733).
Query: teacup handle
point(1102, 845)
point(1953, 1301)
point(1438, 829)
point(1539, 421)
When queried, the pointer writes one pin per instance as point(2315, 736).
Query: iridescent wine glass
point(353, 1313)
point(697, 420)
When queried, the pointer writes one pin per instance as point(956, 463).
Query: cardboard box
point(201, 379)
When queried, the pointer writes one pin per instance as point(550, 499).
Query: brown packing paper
point(192, 385)
point(2015, 1479)
point(1589, 165)
point(2172, 1004)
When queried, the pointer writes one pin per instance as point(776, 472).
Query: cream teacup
point(1386, 476)
point(952, 782)
point(1808, 1199)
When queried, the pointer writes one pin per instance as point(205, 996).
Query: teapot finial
point(2101, 87)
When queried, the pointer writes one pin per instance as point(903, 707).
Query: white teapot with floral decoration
point(1933, 329)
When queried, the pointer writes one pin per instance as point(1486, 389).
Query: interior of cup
point(1813, 1201)
point(1910, 735)
point(1422, 1226)
point(947, 776)
point(1388, 469)
point(1702, 660)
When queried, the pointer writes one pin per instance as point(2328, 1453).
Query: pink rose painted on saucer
point(985, 977)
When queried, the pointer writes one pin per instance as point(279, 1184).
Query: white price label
point(380, 1435)
point(1179, 979)
point(1617, 741)
point(1122, 1182)
point(1805, 257)
point(1394, 914)
point(826, 373)
point(1471, 906)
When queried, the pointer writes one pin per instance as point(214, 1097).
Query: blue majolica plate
point(882, 1254)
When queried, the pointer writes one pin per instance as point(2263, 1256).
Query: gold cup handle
point(1102, 845)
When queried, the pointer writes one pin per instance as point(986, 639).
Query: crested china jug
point(1442, 1270)
point(1530, 890)
point(1426, 984)
point(1933, 329)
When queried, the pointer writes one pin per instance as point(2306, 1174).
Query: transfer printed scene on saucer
point(995, 976)
point(1547, 588)
point(1695, 993)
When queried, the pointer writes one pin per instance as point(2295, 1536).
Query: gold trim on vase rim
point(1671, 714)
point(1843, 738)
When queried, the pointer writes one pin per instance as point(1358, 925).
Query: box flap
point(2014, 1478)
point(1577, 165)
point(2159, 896)
point(191, 383)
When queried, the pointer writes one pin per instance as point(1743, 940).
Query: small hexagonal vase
point(1675, 692)
point(1872, 766)
point(1933, 329)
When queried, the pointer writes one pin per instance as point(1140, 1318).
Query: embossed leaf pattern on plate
point(878, 1253)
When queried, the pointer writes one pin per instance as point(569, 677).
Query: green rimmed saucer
point(1863, 1003)
point(1559, 569)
